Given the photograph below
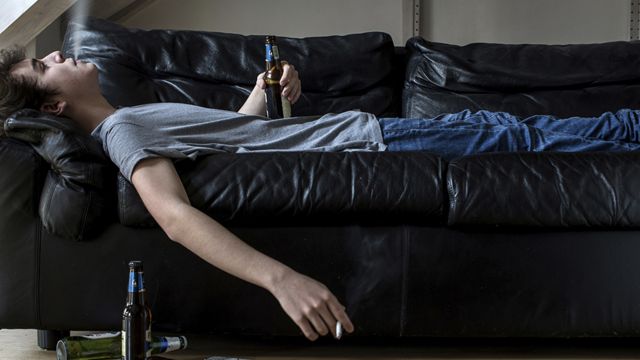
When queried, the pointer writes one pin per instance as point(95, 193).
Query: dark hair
point(17, 92)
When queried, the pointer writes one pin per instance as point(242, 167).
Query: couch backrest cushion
point(545, 190)
point(562, 80)
point(219, 70)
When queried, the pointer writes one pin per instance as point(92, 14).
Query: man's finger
point(318, 323)
point(290, 90)
point(260, 81)
point(293, 95)
point(288, 74)
point(328, 319)
point(298, 93)
point(293, 91)
point(307, 329)
point(338, 311)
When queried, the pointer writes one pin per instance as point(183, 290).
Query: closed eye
point(38, 66)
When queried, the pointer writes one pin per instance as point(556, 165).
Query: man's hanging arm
point(309, 303)
point(162, 192)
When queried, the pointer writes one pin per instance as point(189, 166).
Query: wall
point(294, 18)
point(451, 21)
point(525, 21)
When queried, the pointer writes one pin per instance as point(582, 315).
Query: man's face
point(72, 79)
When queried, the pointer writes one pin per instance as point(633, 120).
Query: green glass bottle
point(109, 346)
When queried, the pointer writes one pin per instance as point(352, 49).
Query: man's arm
point(309, 303)
point(291, 89)
point(255, 103)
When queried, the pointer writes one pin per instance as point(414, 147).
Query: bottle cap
point(135, 264)
point(61, 350)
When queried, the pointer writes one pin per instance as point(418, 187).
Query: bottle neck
point(135, 294)
point(272, 58)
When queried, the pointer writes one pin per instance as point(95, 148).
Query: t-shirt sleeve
point(127, 144)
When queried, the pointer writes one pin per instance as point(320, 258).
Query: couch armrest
point(75, 198)
point(21, 174)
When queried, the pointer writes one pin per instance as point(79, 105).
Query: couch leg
point(47, 339)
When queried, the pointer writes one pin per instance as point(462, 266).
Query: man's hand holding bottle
point(290, 82)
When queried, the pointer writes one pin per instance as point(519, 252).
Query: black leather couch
point(491, 245)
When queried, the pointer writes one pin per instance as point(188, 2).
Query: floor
point(21, 345)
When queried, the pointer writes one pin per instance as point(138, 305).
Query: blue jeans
point(465, 133)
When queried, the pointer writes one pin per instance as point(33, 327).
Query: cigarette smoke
point(79, 14)
point(364, 285)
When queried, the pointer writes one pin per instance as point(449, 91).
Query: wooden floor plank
point(21, 345)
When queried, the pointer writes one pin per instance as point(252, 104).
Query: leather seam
point(85, 214)
point(38, 256)
point(48, 192)
point(403, 291)
point(38, 241)
point(447, 193)
point(121, 200)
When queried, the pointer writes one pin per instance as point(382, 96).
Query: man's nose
point(55, 57)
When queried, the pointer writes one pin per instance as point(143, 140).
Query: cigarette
point(338, 330)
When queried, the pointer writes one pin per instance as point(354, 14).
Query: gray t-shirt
point(181, 131)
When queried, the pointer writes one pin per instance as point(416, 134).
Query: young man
point(143, 140)
point(68, 88)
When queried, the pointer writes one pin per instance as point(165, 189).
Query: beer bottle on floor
point(277, 105)
point(109, 346)
point(136, 317)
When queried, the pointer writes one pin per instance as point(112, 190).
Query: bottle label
point(140, 281)
point(136, 282)
point(147, 341)
point(133, 282)
point(101, 336)
point(286, 107)
point(176, 343)
point(276, 53)
point(173, 345)
point(165, 344)
point(268, 52)
point(124, 343)
point(271, 82)
point(161, 346)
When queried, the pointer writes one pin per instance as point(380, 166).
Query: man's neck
point(92, 113)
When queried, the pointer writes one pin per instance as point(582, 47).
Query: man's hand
point(291, 89)
point(290, 82)
point(310, 305)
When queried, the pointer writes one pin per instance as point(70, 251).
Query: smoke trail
point(367, 281)
point(79, 13)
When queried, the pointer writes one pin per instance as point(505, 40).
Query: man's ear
point(55, 107)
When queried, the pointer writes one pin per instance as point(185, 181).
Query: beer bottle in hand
point(278, 106)
point(136, 317)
